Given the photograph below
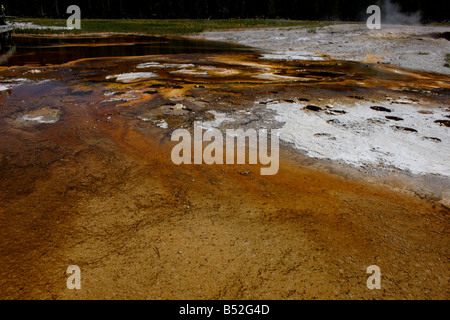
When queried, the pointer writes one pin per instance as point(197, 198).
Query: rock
point(394, 118)
point(382, 109)
point(444, 123)
point(313, 108)
point(406, 129)
point(432, 139)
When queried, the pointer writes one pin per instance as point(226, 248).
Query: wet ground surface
point(43, 51)
point(86, 178)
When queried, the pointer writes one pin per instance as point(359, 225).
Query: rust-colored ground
point(113, 203)
point(102, 193)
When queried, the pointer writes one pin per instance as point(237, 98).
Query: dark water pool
point(44, 51)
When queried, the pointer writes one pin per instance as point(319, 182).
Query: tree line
point(343, 10)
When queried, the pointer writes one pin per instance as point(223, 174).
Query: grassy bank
point(161, 27)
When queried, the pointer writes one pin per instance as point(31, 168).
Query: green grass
point(163, 27)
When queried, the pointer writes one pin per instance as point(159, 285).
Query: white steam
point(391, 14)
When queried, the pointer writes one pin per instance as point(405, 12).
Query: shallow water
point(45, 51)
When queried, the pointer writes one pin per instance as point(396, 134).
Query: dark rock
point(444, 123)
point(432, 139)
point(382, 109)
point(394, 118)
point(406, 129)
point(313, 108)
